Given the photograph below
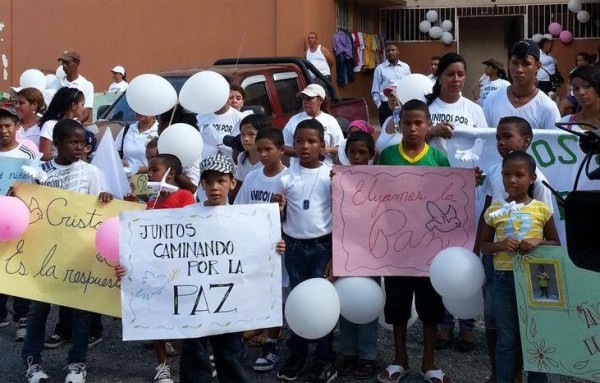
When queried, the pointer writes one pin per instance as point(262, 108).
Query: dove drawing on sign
point(444, 222)
point(35, 169)
point(152, 285)
point(471, 154)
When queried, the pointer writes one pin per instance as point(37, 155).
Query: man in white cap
point(70, 61)
point(120, 82)
point(312, 100)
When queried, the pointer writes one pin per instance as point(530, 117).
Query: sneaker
point(163, 374)
point(21, 330)
point(4, 322)
point(35, 373)
point(291, 368)
point(76, 373)
point(54, 341)
point(93, 341)
point(321, 373)
point(269, 356)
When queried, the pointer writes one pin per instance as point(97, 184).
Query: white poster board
point(200, 271)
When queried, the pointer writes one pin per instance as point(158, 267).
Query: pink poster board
point(392, 220)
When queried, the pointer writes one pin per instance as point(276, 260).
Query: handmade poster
point(139, 185)
point(200, 271)
point(559, 314)
point(556, 153)
point(10, 171)
point(392, 220)
point(56, 261)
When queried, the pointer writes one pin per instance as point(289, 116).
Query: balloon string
point(172, 114)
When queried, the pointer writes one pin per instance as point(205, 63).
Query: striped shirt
point(21, 151)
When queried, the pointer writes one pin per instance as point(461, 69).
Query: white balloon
point(446, 25)
point(413, 313)
point(33, 78)
point(413, 86)
point(574, 6)
point(150, 95)
point(537, 38)
point(435, 32)
point(424, 26)
point(361, 299)
point(431, 16)
point(465, 309)
point(313, 308)
point(547, 36)
point(181, 140)
point(447, 38)
point(583, 16)
point(52, 82)
point(60, 73)
point(456, 273)
point(204, 92)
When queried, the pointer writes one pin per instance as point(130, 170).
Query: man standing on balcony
point(387, 74)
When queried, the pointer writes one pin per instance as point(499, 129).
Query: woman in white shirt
point(120, 83)
point(131, 143)
point(447, 106)
point(494, 69)
point(548, 67)
point(585, 83)
point(66, 103)
point(28, 106)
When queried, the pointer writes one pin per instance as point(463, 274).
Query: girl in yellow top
point(515, 226)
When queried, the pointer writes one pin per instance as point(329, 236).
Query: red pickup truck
point(271, 85)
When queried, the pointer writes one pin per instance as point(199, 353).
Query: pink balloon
point(565, 37)
point(554, 29)
point(107, 239)
point(30, 144)
point(14, 218)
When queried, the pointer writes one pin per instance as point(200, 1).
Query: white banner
point(556, 153)
point(200, 271)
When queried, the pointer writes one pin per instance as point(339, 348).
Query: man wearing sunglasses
point(70, 61)
point(522, 98)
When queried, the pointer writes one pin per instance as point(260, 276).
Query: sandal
point(364, 370)
point(436, 376)
point(394, 373)
point(347, 366)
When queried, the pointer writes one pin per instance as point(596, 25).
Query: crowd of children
point(303, 192)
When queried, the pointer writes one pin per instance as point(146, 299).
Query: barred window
point(402, 24)
point(343, 14)
point(540, 16)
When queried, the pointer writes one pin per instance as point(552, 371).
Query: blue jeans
point(305, 259)
point(507, 326)
point(20, 307)
point(463, 324)
point(194, 365)
point(489, 316)
point(36, 334)
point(359, 340)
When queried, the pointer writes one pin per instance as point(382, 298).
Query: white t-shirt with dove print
point(464, 113)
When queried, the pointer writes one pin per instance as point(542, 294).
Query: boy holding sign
point(415, 123)
point(9, 147)
point(67, 171)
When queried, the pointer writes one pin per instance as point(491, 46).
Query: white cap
point(314, 90)
point(118, 69)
